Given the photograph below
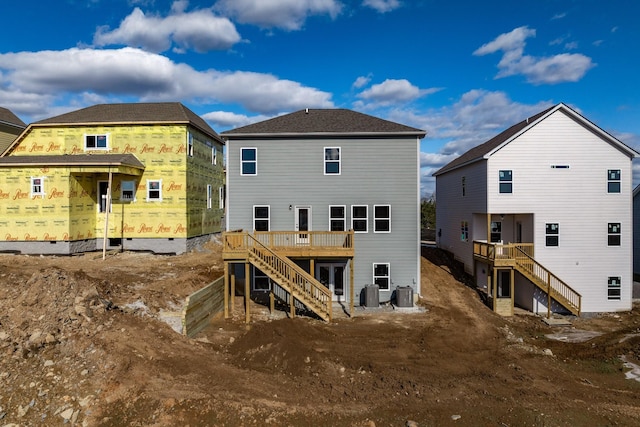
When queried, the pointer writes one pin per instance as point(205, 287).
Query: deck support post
point(495, 287)
point(226, 290)
point(513, 287)
point(272, 303)
point(548, 295)
point(247, 292)
point(233, 289)
point(351, 288)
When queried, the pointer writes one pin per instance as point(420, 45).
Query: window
point(464, 186)
point(221, 195)
point(613, 181)
point(464, 231)
point(209, 196)
point(332, 161)
point(261, 281)
point(382, 218)
point(37, 186)
point(381, 276)
point(127, 190)
point(337, 218)
point(154, 190)
point(614, 234)
point(360, 218)
point(214, 155)
point(248, 161)
point(552, 231)
point(506, 181)
point(190, 145)
point(261, 218)
point(95, 142)
point(496, 232)
point(613, 288)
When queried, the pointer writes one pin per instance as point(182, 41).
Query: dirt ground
point(82, 343)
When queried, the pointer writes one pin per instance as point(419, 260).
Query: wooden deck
point(292, 244)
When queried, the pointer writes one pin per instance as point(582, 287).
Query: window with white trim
point(209, 196)
point(261, 281)
point(127, 190)
point(505, 181)
point(360, 218)
point(613, 181)
point(382, 218)
point(381, 276)
point(190, 145)
point(214, 155)
point(37, 186)
point(261, 218)
point(337, 218)
point(154, 190)
point(221, 194)
point(464, 231)
point(614, 288)
point(613, 234)
point(332, 160)
point(248, 161)
point(552, 234)
point(96, 142)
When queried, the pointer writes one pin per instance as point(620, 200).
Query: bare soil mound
point(81, 342)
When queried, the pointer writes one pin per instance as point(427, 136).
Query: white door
point(303, 223)
point(332, 276)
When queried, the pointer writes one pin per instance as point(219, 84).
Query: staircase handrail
point(554, 283)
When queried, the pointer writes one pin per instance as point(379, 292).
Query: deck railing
point(336, 243)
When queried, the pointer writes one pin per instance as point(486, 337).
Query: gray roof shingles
point(134, 113)
point(74, 160)
point(7, 116)
point(324, 121)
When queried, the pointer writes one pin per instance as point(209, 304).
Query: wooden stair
point(300, 285)
point(548, 282)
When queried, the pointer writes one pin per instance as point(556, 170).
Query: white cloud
point(147, 77)
point(286, 14)
point(393, 91)
point(199, 30)
point(361, 81)
point(382, 6)
point(545, 70)
point(223, 120)
point(558, 16)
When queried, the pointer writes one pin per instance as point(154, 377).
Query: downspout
point(106, 215)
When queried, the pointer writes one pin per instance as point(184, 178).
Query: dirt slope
point(80, 341)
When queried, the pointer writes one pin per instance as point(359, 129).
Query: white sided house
point(322, 203)
point(541, 215)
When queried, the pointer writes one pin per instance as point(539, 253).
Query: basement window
point(613, 288)
point(381, 276)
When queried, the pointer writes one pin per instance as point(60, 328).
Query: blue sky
point(461, 70)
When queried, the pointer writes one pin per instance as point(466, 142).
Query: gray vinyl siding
point(290, 172)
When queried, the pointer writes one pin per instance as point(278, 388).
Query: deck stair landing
point(519, 257)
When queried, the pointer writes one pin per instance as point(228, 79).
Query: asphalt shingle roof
point(7, 116)
point(324, 121)
point(74, 160)
point(134, 113)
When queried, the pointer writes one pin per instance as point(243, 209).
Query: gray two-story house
point(322, 203)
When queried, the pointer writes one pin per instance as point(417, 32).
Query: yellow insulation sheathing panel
point(71, 204)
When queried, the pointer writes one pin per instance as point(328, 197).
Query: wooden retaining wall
point(201, 306)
